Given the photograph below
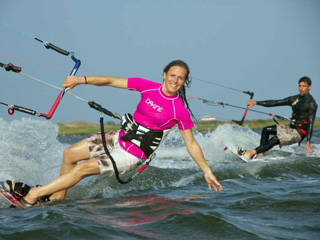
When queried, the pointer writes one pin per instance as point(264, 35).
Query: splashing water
point(30, 150)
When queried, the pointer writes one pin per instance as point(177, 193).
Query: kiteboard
point(15, 203)
point(235, 152)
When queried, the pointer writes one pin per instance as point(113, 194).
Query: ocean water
point(277, 197)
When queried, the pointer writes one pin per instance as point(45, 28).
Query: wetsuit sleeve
point(312, 116)
point(275, 103)
point(141, 84)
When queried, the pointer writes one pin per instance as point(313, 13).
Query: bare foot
point(259, 155)
point(29, 197)
point(249, 154)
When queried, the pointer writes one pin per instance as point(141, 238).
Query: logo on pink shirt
point(153, 105)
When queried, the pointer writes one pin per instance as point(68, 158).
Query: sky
point(262, 46)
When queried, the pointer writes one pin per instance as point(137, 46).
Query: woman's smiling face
point(174, 79)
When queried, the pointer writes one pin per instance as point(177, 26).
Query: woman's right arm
point(117, 82)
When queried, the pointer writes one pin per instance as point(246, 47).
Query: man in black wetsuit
point(304, 109)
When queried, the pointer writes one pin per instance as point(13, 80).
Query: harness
point(146, 139)
point(301, 125)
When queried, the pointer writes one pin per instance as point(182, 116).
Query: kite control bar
point(61, 94)
point(13, 68)
point(251, 94)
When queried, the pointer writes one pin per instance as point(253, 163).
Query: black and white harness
point(146, 139)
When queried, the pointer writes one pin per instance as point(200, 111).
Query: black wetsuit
point(304, 110)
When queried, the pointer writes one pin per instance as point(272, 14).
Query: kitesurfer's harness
point(301, 125)
point(146, 139)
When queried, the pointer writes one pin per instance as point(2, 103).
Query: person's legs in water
point(91, 147)
point(80, 171)
point(98, 163)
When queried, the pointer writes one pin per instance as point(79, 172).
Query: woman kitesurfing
point(161, 107)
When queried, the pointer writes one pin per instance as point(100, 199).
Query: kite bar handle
point(54, 47)
point(74, 70)
point(76, 65)
point(251, 94)
point(246, 110)
point(61, 94)
point(53, 108)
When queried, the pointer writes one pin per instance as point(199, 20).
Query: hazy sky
point(263, 46)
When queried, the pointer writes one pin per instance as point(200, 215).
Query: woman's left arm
point(197, 155)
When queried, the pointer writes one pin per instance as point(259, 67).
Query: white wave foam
point(29, 150)
point(173, 153)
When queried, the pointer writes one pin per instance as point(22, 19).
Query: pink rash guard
point(155, 111)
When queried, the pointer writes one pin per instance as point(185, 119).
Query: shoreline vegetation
point(83, 128)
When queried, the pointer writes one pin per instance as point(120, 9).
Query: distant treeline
point(82, 128)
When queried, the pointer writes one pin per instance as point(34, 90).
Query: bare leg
point(71, 155)
point(65, 181)
point(250, 153)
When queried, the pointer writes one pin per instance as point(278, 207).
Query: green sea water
point(276, 197)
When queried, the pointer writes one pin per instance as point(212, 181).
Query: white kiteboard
point(235, 152)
